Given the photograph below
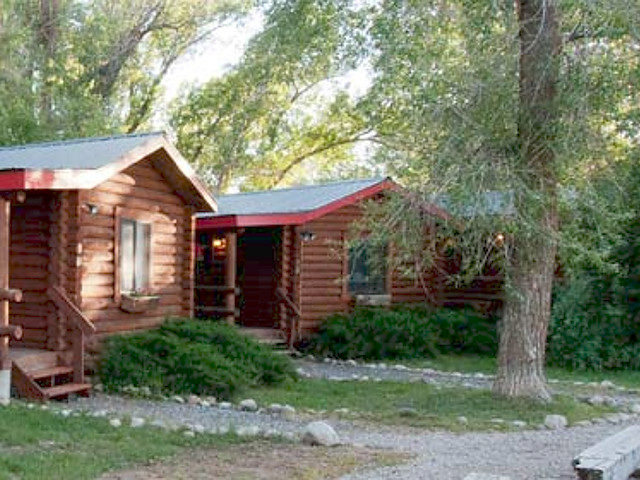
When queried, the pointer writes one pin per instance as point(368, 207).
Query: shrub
point(404, 332)
point(191, 356)
point(591, 328)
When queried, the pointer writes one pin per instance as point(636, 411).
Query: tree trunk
point(528, 306)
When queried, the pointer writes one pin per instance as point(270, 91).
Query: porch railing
point(81, 327)
point(293, 317)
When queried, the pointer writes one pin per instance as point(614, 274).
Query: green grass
point(434, 408)
point(36, 444)
point(470, 363)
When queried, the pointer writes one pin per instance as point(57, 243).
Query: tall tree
point(83, 68)
point(527, 308)
point(280, 107)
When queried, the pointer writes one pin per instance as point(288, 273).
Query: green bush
point(191, 356)
point(404, 332)
point(591, 327)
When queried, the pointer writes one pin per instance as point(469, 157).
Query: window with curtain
point(135, 262)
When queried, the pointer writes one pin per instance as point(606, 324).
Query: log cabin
point(96, 237)
point(279, 262)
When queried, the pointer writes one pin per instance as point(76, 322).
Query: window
point(135, 242)
point(367, 269)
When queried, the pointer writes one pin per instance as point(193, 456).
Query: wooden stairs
point(44, 375)
point(273, 337)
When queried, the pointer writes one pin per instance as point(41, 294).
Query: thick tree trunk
point(528, 305)
point(527, 310)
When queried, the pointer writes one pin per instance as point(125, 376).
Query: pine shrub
point(191, 356)
point(404, 332)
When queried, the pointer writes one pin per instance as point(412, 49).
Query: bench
point(615, 458)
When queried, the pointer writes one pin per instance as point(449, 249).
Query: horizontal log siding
point(140, 189)
point(322, 290)
point(321, 267)
point(29, 260)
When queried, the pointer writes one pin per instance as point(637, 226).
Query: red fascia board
point(272, 219)
point(13, 180)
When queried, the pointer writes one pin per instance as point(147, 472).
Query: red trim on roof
point(13, 180)
point(83, 179)
point(272, 219)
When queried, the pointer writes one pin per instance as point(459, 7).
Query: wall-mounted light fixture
point(307, 236)
point(92, 208)
point(219, 243)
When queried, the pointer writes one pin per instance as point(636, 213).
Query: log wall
point(141, 190)
point(31, 223)
point(324, 270)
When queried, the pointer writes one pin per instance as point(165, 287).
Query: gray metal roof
point(289, 200)
point(89, 153)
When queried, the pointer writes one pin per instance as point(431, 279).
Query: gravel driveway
point(519, 455)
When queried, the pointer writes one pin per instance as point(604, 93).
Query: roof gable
point(85, 163)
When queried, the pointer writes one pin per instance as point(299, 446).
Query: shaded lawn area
point(471, 363)
point(420, 405)
point(36, 444)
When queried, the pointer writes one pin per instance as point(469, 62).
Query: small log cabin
point(285, 260)
point(99, 235)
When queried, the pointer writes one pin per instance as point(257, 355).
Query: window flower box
point(136, 303)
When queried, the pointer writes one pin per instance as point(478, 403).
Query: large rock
point(320, 433)
point(555, 422)
point(248, 405)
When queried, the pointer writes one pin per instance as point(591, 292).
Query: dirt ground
point(262, 461)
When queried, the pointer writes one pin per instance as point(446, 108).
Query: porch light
point(499, 239)
point(219, 243)
point(92, 208)
point(307, 236)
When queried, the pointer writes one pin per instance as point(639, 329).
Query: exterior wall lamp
point(307, 236)
point(92, 208)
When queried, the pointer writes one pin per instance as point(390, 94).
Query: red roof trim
point(14, 180)
point(272, 219)
point(79, 179)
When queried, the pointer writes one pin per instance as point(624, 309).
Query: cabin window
point(135, 242)
point(367, 269)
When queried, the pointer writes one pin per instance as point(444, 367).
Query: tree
point(73, 68)
point(527, 310)
point(280, 108)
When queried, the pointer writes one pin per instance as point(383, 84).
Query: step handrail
point(64, 303)
point(294, 329)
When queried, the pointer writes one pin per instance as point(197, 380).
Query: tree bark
point(527, 307)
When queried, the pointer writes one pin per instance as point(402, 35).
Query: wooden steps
point(50, 372)
point(273, 337)
point(61, 391)
point(44, 375)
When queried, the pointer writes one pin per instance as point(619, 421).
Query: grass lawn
point(36, 444)
point(470, 363)
point(431, 407)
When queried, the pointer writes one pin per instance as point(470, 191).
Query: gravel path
point(524, 455)
point(529, 455)
point(172, 414)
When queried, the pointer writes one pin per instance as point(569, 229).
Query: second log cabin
point(280, 260)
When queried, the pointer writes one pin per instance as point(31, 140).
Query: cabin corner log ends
point(6, 295)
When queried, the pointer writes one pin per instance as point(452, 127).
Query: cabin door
point(258, 277)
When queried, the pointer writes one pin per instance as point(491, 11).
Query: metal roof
point(289, 200)
point(84, 154)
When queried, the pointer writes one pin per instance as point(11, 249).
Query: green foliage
point(77, 68)
point(404, 332)
point(191, 356)
point(591, 328)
